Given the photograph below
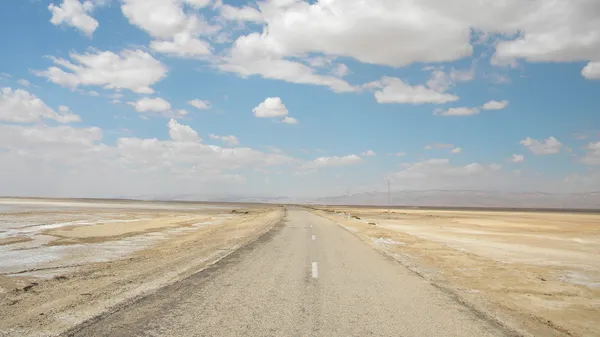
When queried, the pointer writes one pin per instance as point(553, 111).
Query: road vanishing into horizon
point(306, 277)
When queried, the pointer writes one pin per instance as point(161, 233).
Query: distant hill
point(464, 198)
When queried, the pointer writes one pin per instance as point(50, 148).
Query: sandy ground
point(538, 273)
point(64, 262)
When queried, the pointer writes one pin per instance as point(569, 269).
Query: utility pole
point(388, 181)
point(389, 204)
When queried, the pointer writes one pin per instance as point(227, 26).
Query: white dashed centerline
point(314, 237)
point(315, 270)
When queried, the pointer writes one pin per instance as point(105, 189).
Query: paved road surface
point(308, 277)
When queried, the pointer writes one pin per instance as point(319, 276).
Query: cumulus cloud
point(182, 133)
point(134, 70)
point(541, 36)
point(395, 90)
point(398, 33)
point(176, 32)
point(462, 111)
point(591, 71)
point(20, 106)
point(199, 104)
point(592, 154)
point(289, 120)
point(340, 70)
point(495, 105)
point(183, 46)
point(463, 75)
point(24, 82)
point(229, 140)
point(335, 161)
point(368, 153)
point(249, 56)
point(151, 104)
point(245, 13)
point(69, 161)
point(550, 145)
point(365, 31)
point(74, 13)
point(270, 107)
point(456, 150)
point(442, 174)
point(517, 158)
point(198, 3)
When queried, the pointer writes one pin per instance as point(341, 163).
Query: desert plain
point(63, 262)
point(537, 272)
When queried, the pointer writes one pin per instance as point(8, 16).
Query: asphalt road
point(307, 277)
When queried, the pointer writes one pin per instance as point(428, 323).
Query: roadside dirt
point(46, 307)
point(534, 273)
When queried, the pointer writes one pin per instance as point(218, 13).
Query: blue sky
point(487, 97)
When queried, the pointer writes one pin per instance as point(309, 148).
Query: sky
point(125, 98)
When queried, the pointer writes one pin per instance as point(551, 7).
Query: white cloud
point(439, 81)
point(20, 106)
point(245, 13)
point(199, 104)
point(456, 150)
point(550, 145)
point(462, 75)
point(439, 146)
point(368, 153)
point(462, 111)
point(76, 14)
point(517, 158)
point(340, 70)
point(30, 138)
point(160, 18)
point(441, 174)
point(182, 45)
point(495, 105)
point(151, 104)
point(591, 71)
point(289, 120)
point(198, 3)
point(67, 161)
point(542, 37)
point(497, 78)
point(93, 93)
point(320, 61)
point(400, 154)
point(176, 32)
point(24, 82)
point(270, 107)
point(394, 90)
point(250, 56)
point(394, 33)
point(592, 155)
point(332, 162)
point(135, 70)
point(182, 133)
point(229, 140)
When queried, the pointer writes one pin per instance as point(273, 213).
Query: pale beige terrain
point(537, 273)
point(64, 264)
